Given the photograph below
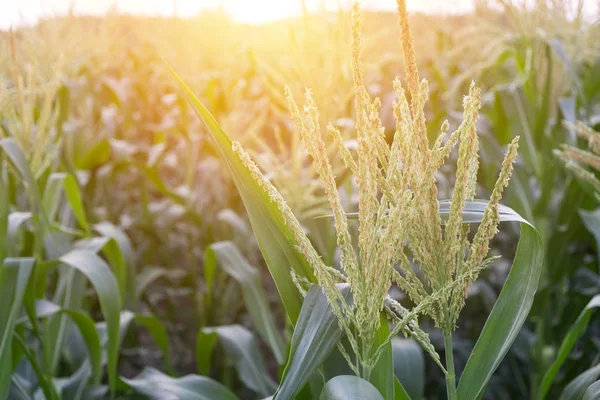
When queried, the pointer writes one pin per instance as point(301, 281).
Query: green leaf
point(275, 238)
point(111, 250)
point(98, 155)
point(315, 336)
point(70, 293)
point(241, 346)
point(125, 247)
point(399, 391)
point(46, 384)
point(52, 193)
point(382, 375)
point(205, 342)
point(349, 387)
point(576, 389)
point(255, 298)
point(210, 272)
point(472, 212)
point(18, 159)
point(409, 366)
point(592, 392)
point(156, 329)
point(509, 312)
point(107, 290)
point(15, 222)
point(14, 278)
point(92, 341)
point(88, 332)
point(4, 216)
point(575, 332)
point(157, 385)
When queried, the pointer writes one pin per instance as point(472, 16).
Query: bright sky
point(16, 12)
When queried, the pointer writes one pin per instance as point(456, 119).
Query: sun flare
point(261, 11)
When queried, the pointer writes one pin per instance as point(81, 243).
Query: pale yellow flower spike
point(464, 178)
point(410, 61)
point(588, 133)
point(582, 156)
point(491, 218)
point(316, 148)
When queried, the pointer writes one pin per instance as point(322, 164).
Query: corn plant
point(400, 218)
point(538, 68)
point(50, 345)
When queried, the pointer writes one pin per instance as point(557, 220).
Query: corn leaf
point(409, 366)
point(87, 329)
point(107, 290)
point(155, 328)
point(576, 389)
point(241, 346)
point(382, 376)
point(255, 298)
point(399, 391)
point(111, 250)
point(575, 332)
point(509, 312)
point(592, 392)
point(157, 385)
point(52, 196)
point(349, 387)
point(205, 342)
point(315, 336)
point(274, 237)
point(14, 278)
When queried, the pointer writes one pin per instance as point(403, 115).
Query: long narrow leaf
point(507, 316)
point(14, 278)
point(241, 346)
point(409, 366)
point(255, 298)
point(157, 385)
point(575, 332)
point(52, 195)
point(349, 387)
point(107, 290)
point(274, 237)
point(576, 389)
point(315, 336)
point(382, 376)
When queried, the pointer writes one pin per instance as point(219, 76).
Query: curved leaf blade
point(241, 346)
point(592, 392)
point(576, 389)
point(51, 198)
point(255, 298)
point(409, 366)
point(275, 239)
point(315, 336)
point(157, 385)
point(575, 332)
point(349, 387)
point(507, 316)
point(107, 290)
point(14, 278)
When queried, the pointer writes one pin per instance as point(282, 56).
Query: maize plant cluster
point(399, 212)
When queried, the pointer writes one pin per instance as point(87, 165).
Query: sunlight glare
point(261, 11)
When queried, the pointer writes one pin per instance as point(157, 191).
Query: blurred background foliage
point(103, 155)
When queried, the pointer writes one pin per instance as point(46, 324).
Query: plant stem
point(450, 375)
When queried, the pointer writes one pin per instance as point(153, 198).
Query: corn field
point(348, 205)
